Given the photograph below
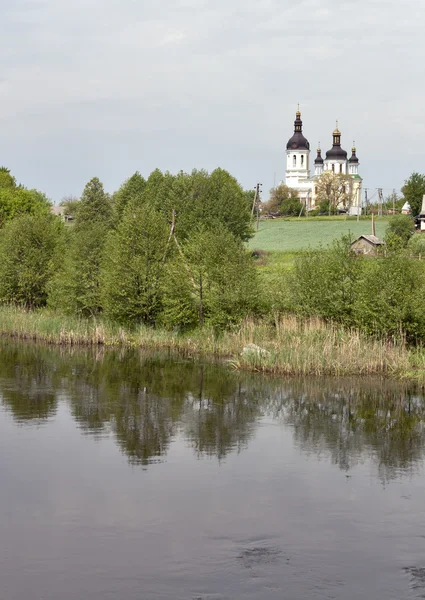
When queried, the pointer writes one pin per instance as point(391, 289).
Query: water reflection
point(146, 401)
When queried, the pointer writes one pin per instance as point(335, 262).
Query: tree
point(6, 179)
point(413, 191)
point(199, 197)
point(71, 204)
point(133, 266)
point(131, 191)
point(95, 205)
point(211, 281)
point(76, 288)
point(283, 200)
point(400, 230)
point(334, 190)
point(27, 247)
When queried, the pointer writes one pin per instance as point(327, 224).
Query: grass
point(297, 234)
point(289, 346)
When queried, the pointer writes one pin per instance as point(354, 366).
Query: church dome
point(353, 160)
point(336, 152)
point(298, 141)
point(318, 160)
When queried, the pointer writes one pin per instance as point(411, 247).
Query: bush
point(27, 247)
point(416, 245)
point(400, 230)
point(324, 281)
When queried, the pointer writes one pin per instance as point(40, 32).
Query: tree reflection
point(146, 401)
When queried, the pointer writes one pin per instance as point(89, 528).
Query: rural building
point(336, 161)
point(60, 211)
point(421, 217)
point(369, 245)
point(406, 210)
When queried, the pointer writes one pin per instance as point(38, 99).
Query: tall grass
point(289, 346)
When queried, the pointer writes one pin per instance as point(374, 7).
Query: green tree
point(400, 230)
point(283, 200)
point(131, 191)
point(95, 205)
point(413, 191)
point(71, 204)
point(212, 281)
point(27, 247)
point(416, 245)
point(386, 294)
point(324, 281)
point(133, 266)
point(76, 288)
point(7, 181)
point(199, 197)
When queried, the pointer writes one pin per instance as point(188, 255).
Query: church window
point(294, 160)
point(340, 168)
point(333, 168)
point(302, 160)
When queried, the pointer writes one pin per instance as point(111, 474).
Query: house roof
point(58, 210)
point(406, 206)
point(371, 239)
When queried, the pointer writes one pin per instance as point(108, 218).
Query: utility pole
point(365, 200)
point(256, 203)
point(381, 201)
point(394, 201)
point(258, 192)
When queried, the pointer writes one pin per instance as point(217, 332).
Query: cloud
point(172, 83)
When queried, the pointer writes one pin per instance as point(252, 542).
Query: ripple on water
point(417, 579)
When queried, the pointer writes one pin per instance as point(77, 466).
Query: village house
point(368, 245)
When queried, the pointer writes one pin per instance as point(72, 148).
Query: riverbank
point(290, 346)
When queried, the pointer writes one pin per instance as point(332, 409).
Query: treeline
point(165, 251)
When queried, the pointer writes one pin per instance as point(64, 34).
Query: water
point(125, 476)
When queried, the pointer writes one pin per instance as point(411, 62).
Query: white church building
point(298, 175)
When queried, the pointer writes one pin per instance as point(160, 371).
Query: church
point(336, 160)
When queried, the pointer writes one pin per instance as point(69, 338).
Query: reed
point(289, 346)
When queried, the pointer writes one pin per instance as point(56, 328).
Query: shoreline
point(288, 347)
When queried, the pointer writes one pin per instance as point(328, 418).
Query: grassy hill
point(295, 234)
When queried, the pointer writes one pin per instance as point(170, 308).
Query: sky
point(107, 87)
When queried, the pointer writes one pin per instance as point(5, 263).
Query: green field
point(297, 234)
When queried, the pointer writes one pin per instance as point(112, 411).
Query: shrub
point(27, 247)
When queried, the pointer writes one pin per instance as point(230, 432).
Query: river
point(129, 476)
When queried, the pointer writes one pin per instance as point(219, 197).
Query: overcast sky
point(107, 87)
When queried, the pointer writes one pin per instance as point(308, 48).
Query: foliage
point(400, 230)
point(283, 200)
point(324, 281)
point(95, 205)
point(211, 281)
point(211, 199)
point(334, 190)
point(7, 181)
point(27, 246)
point(76, 287)
point(413, 191)
point(71, 204)
point(416, 245)
point(385, 296)
point(133, 267)
point(131, 192)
